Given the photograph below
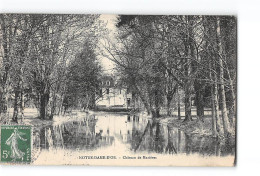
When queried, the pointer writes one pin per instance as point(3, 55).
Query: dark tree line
point(82, 80)
point(50, 62)
point(38, 53)
point(160, 56)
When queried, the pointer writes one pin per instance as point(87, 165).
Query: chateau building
point(112, 95)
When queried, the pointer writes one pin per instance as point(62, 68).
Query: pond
point(131, 134)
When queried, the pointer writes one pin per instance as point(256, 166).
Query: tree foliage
point(37, 51)
point(161, 56)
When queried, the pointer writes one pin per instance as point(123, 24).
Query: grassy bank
point(192, 127)
point(30, 119)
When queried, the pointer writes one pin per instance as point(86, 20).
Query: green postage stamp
point(16, 144)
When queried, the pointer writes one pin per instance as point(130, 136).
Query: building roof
point(107, 81)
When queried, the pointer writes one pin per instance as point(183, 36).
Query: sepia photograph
point(118, 90)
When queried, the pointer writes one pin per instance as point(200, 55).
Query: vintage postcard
point(118, 90)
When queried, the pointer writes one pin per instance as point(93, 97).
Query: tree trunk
point(21, 97)
point(2, 103)
point(179, 140)
point(169, 99)
point(157, 105)
point(3, 100)
point(44, 98)
point(224, 107)
point(216, 103)
point(200, 108)
point(189, 50)
point(188, 143)
point(179, 106)
point(233, 111)
point(146, 105)
point(213, 106)
point(187, 101)
point(52, 109)
point(222, 87)
point(42, 107)
point(15, 113)
point(22, 105)
point(213, 114)
point(200, 102)
point(53, 106)
point(144, 100)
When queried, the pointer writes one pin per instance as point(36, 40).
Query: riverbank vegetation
point(172, 65)
point(191, 59)
point(47, 62)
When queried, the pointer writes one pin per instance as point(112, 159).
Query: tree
point(82, 83)
point(9, 27)
point(36, 51)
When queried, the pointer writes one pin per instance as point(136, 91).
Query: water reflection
point(137, 134)
point(79, 135)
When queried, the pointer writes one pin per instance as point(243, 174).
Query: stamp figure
point(15, 143)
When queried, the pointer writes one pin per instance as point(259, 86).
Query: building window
point(107, 90)
point(128, 102)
